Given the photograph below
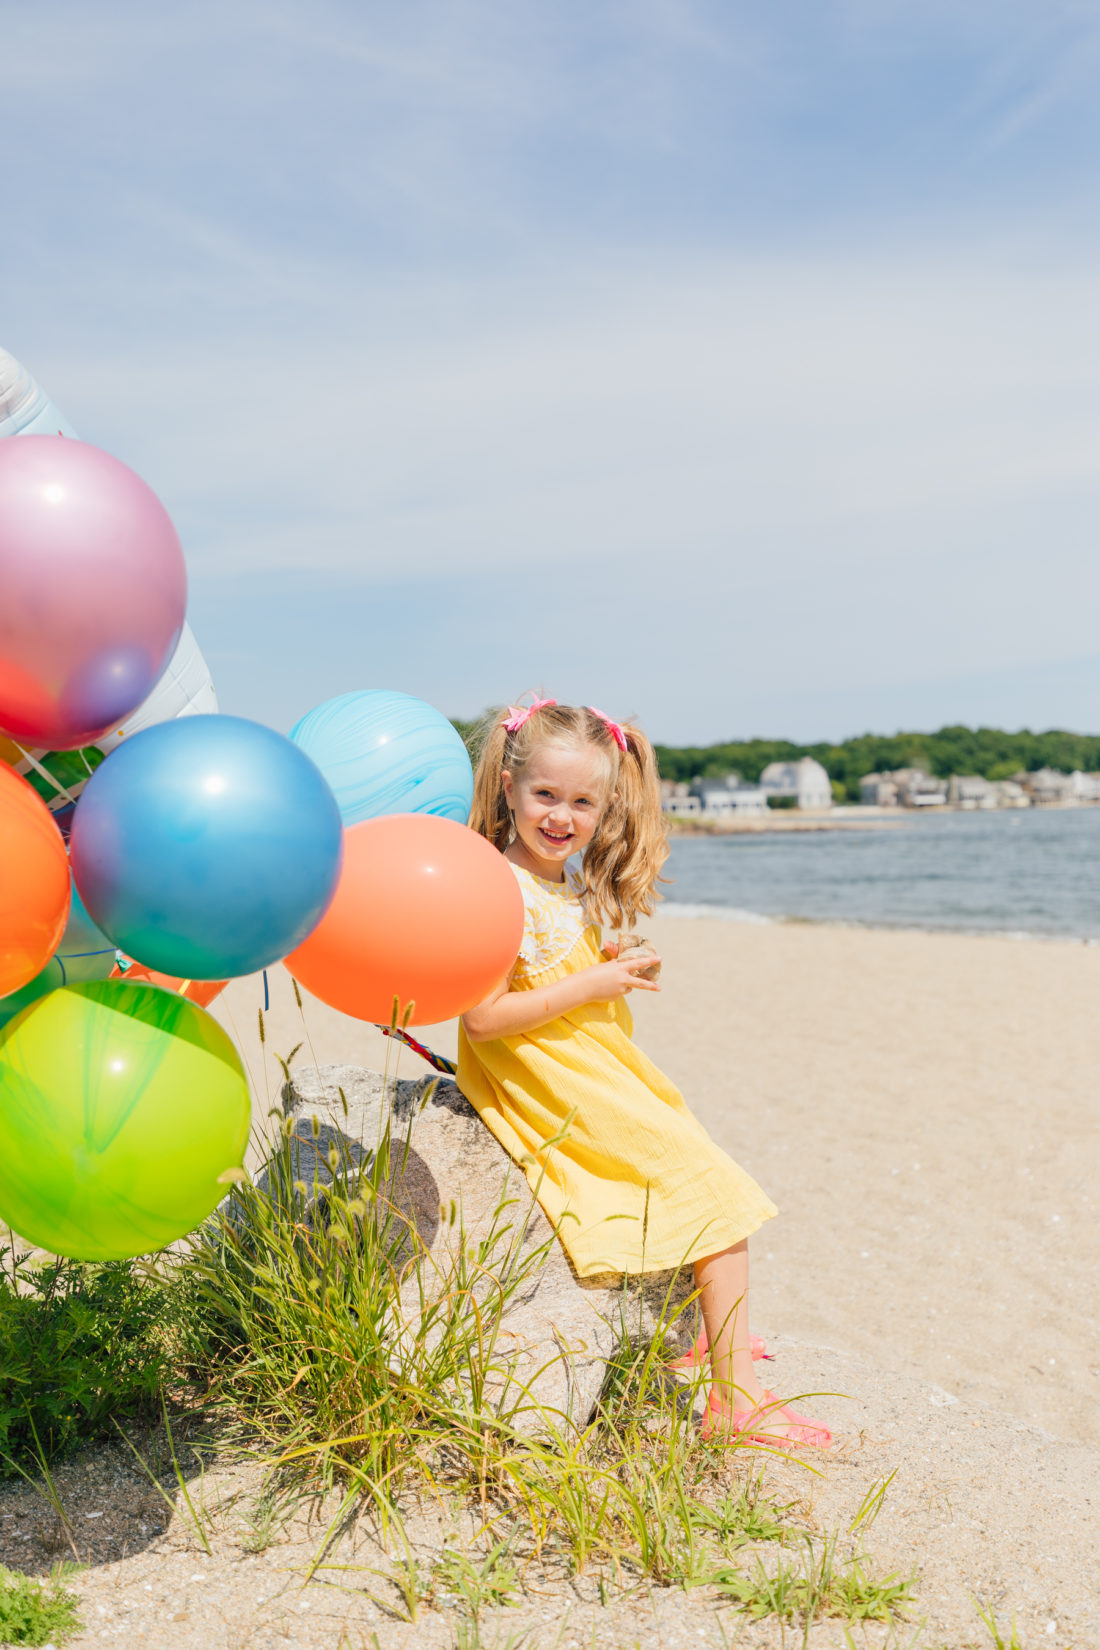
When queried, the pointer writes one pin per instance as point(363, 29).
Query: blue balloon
point(387, 753)
point(206, 847)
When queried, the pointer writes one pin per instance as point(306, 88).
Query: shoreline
point(848, 816)
point(780, 821)
point(687, 911)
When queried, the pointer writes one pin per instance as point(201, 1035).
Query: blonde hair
point(622, 863)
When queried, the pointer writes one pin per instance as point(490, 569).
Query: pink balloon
point(92, 591)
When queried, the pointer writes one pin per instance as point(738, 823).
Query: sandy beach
point(922, 1108)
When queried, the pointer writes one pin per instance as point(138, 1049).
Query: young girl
point(636, 1184)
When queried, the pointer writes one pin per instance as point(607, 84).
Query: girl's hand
point(607, 981)
point(611, 949)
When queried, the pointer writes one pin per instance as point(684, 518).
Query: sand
point(923, 1110)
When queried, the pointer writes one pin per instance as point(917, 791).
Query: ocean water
point(1030, 872)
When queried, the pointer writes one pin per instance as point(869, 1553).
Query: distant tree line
point(986, 751)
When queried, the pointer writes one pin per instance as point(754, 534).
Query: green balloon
point(120, 1105)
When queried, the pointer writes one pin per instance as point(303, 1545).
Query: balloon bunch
point(201, 847)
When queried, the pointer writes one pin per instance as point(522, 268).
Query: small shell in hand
point(633, 944)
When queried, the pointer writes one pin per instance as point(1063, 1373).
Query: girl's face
point(557, 803)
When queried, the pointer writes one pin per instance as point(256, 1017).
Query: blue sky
point(733, 366)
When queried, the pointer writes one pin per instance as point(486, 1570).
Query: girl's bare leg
point(723, 1281)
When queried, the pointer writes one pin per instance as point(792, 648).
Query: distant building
point(917, 789)
point(877, 790)
point(970, 791)
point(677, 800)
point(1011, 794)
point(682, 807)
point(728, 797)
point(805, 782)
point(1086, 786)
point(1048, 787)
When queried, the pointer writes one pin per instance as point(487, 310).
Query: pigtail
point(623, 863)
point(489, 813)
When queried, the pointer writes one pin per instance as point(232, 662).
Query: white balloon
point(24, 408)
point(185, 689)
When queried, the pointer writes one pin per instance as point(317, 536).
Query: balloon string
point(267, 996)
point(438, 1062)
point(46, 774)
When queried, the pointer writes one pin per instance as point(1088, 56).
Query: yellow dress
point(635, 1184)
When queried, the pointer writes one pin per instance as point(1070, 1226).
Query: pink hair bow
point(613, 728)
point(519, 714)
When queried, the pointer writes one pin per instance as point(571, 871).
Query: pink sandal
point(722, 1424)
point(697, 1357)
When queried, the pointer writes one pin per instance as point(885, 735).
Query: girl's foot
point(697, 1357)
point(769, 1421)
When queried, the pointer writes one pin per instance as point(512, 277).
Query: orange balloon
point(202, 992)
point(425, 911)
point(34, 883)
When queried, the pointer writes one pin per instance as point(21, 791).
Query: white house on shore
point(1048, 786)
point(1011, 794)
point(904, 788)
point(725, 798)
point(804, 782)
point(677, 800)
point(970, 790)
point(877, 790)
point(1086, 786)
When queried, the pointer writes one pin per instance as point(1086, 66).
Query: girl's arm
point(508, 1013)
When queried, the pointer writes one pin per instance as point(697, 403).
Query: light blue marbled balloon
point(388, 753)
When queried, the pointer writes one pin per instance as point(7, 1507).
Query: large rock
point(454, 1183)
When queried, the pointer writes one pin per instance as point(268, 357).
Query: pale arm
point(508, 1013)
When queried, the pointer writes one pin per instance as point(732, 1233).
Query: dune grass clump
point(338, 1338)
point(36, 1612)
point(82, 1346)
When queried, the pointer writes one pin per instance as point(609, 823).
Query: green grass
point(81, 1346)
point(489, 1580)
point(817, 1583)
point(35, 1612)
point(1002, 1638)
